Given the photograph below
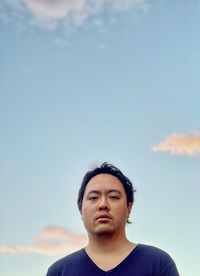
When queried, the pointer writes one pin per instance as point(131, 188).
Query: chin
point(104, 232)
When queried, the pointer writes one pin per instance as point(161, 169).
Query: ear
point(130, 206)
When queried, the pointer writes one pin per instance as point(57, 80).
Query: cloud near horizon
point(180, 145)
point(50, 241)
point(75, 12)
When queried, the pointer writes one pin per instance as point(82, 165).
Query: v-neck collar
point(106, 272)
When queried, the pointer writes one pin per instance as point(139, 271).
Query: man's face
point(104, 206)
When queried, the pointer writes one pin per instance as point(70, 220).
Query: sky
point(83, 82)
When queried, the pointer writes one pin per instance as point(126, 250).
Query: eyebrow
point(109, 191)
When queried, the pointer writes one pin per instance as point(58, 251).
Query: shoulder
point(153, 251)
point(65, 263)
point(156, 257)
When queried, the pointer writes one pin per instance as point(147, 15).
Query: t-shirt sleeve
point(50, 273)
point(53, 271)
point(170, 270)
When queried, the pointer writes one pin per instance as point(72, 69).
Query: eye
point(114, 197)
point(93, 198)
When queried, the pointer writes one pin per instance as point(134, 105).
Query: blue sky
point(84, 82)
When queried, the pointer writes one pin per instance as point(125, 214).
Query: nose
point(103, 204)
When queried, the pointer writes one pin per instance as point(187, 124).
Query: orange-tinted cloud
point(52, 240)
point(180, 144)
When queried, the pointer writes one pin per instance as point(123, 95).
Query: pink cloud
point(55, 13)
point(180, 144)
point(52, 240)
point(45, 9)
point(63, 8)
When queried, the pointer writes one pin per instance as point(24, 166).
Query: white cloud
point(180, 144)
point(74, 12)
point(52, 240)
point(55, 10)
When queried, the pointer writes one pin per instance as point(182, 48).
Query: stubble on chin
point(104, 232)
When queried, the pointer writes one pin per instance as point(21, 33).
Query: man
point(105, 201)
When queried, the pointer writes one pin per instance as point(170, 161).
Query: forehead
point(104, 181)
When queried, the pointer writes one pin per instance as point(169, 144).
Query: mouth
point(103, 218)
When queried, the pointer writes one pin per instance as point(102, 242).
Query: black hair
point(107, 168)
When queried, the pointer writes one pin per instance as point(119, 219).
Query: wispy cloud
point(52, 240)
point(75, 12)
point(180, 144)
point(46, 10)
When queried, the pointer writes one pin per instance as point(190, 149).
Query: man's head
point(106, 168)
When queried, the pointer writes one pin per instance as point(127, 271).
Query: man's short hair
point(107, 168)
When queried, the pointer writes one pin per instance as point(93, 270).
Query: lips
point(103, 217)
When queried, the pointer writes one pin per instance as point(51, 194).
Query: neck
point(107, 243)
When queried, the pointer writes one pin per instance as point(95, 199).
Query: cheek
point(87, 213)
point(123, 214)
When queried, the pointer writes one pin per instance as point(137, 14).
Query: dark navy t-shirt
point(144, 260)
